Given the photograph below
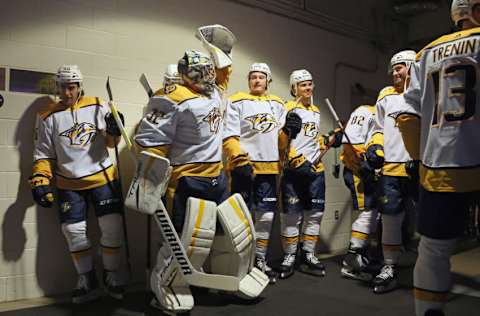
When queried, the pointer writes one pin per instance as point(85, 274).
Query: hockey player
point(303, 182)
point(359, 128)
point(444, 91)
point(185, 126)
point(250, 141)
point(387, 150)
point(72, 137)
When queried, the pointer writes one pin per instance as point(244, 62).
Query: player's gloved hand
point(411, 167)
point(243, 175)
point(41, 190)
point(375, 156)
point(366, 172)
point(112, 128)
point(333, 138)
point(218, 41)
point(305, 170)
point(293, 124)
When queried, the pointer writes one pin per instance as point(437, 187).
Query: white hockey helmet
point(298, 76)
point(263, 68)
point(196, 68)
point(171, 75)
point(462, 10)
point(69, 74)
point(406, 57)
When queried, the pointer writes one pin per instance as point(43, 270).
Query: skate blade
point(360, 276)
point(318, 273)
point(92, 296)
point(384, 289)
point(117, 296)
point(286, 275)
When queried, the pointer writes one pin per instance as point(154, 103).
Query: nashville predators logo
point(395, 115)
point(213, 118)
point(310, 129)
point(262, 122)
point(81, 134)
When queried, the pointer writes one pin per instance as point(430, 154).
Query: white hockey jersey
point(390, 105)
point(255, 121)
point(309, 141)
point(359, 129)
point(185, 127)
point(72, 141)
point(445, 91)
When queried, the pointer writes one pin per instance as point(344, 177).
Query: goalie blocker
point(232, 252)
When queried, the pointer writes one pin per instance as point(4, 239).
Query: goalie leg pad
point(236, 249)
point(149, 183)
point(199, 230)
point(171, 291)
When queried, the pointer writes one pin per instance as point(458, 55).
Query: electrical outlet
point(337, 214)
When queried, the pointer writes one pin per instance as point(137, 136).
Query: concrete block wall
point(122, 39)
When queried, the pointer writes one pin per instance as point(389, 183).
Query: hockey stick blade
point(192, 276)
point(146, 85)
point(109, 90)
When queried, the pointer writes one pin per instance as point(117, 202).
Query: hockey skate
point(112, 284)
point(355, 264)
point(386, 280)
point(286, 268)
point(86, 289)
point(434, 312)
point(310, 264)
point(261, 264)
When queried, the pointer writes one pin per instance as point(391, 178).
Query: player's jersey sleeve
point(232, 120)
point(156, 130)
point(223, 77)
point(44, 150)
point(413, 94)
point(376, 131)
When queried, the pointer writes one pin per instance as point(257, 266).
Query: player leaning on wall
point(71, 142)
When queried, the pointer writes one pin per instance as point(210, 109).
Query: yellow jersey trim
point(95, 180)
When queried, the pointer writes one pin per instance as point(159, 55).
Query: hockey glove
point(242, 180)
point(375, 156)
point(218, 41)
point(411, 167)
point(333, 138)
point(304, 171)
point(293, 124)
point(366, 172)
point(112, 127)
point(41, 190)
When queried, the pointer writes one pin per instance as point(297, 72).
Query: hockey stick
point(114, 111)
point(148, 89)
point(340, 125)
point(146, 85)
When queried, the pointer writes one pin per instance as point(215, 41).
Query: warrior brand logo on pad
point(213, 118)
point(310, 129)
point(81, 134)
point(262, 122)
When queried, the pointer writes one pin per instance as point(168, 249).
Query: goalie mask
point(196, 69)
point(298, 76)
point(462, 10)
point(406, 57)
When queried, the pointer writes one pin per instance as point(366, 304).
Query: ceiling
point(388, 24)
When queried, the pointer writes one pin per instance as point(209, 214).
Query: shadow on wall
point(52, 256)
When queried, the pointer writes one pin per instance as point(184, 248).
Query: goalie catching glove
point(218, 41)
